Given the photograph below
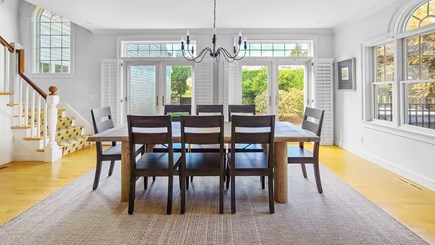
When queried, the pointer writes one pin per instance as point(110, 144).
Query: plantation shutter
point(204, 83)
point(324, 91)
point(227, 76)
point(111, 88)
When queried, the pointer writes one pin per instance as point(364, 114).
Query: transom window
point(153, 49)
point(52, 43)
point(423, 15)
point(279, 49)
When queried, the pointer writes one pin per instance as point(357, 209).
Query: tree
point(179, 77)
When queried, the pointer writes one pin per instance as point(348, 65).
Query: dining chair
point(202, 130)
point(252, 130)
point(102, 121)
point(175, 111)
point(207, 110)
point(313, 120)
point(151, 130)
point(239, 110)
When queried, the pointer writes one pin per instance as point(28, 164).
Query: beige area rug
point(78, 215)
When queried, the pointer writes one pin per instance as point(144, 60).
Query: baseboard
point(38, 156)
point(417, 178)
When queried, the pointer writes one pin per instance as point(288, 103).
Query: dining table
point(285, 132)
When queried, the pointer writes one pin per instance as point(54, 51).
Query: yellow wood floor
point(23, 184)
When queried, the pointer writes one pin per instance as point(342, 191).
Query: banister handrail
point(33, 85)
point(6, 44)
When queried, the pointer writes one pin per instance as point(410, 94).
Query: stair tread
point(6, 93)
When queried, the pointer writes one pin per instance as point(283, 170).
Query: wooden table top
point(284, 132)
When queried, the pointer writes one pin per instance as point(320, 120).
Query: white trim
point(411, 175)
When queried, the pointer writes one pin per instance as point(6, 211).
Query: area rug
point(78, 215)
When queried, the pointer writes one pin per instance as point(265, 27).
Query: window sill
point(411, 132)
point(51, 75)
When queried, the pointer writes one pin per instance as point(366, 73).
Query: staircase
point(40, 131)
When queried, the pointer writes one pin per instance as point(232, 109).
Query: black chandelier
point(215, 53)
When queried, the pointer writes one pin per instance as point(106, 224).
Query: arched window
point(423, 15)
point(52, 43)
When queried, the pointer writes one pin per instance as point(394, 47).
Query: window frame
point(398, 125)
point(34, 62)
point(310, 48)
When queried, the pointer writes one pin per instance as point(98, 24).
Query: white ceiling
point(105, 15)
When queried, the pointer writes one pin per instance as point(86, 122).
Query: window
point(284, 49)
point(52, 43)
point(423, 15)
point(383, 82)
point(153, 49)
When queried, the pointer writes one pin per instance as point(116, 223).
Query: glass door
point(291, 92)
point(178, 84)
point(142, 89)
point(256, 87)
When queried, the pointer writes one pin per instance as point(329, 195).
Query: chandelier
point(189, 52)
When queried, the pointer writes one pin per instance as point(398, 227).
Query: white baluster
point(38, 119)
point(45, 124)
point(6, 69)
point(32, 116)
point(26, 106)
point(52, 152)
point(20, 102)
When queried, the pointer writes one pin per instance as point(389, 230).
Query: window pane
point(56, 18)
point(66, 41)
point(278, 46)
point(290, 46)
point(66, 66)
point(66, 54)
point(380, 75)
point(56, 41)
point(383, 102)
point(46, 16)
point(45, 41)
point(255, 46)
point(66, 29)
point(420, 104)
point(56, 54)
point(155, 47)
point(44, 54)
point(389, 72)
point(422, 16)
point(278, 53)
point(131, 53)
point(56, 29)
point(131, 47)
point(428, 56)
point(44, 29)
point(413, 58)
point(267, 46)
point(255, 53)
point(303, 50)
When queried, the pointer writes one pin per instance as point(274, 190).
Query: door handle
point(157, 100)
point(163, 100)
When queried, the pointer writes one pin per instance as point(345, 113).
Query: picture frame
point(346, 74)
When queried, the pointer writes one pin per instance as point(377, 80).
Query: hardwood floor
point(23, 184)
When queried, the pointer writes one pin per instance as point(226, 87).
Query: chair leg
point(132, 194)
point(221, 194)
point(145, 183)
point(183, 194)
point(154, 178)
point(228, 180)
point(191, 178)
point(170, 185)
point(263, 184)
point(304, 170)
point(112, 164)
point(271, 198)
point(187, 182)
point(233, 194)
point(317, 175)
point(97, 175)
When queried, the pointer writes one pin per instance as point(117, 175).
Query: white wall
point(410, 158)
point(8, 30)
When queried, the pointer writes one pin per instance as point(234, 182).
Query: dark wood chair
point(175, 111)
point(102, 121)
point(202, 130)
point(243, 109)
point(252, 130)
point(313, 120)
point(209, 109)
point(151, 130)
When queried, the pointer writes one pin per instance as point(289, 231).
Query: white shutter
point(204, 83)
point(110, 87)
point(324, 92)
point(227, 76)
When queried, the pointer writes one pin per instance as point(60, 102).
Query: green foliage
point(291, 79)
point(254, 83)
point(291, 103)
point(179, 77)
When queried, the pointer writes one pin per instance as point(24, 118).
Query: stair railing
point(29, 101)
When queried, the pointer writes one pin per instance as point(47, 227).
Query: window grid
point(287, 49)
point(53, 43)
point(383, 82)
point(153, 49)
point(422, 16)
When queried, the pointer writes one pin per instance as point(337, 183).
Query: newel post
point(52, 151)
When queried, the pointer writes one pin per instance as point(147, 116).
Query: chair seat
point(205, 148)
point(155, 161)
point(204, 162)
point(164, 148)
point(116, 150)
point(296, 153)
point(247, 148)
point(249, 160)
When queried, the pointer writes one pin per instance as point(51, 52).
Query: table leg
point(125, 171)
point(281, 173)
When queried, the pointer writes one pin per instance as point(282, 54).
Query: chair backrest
point(101, 119)
point(202, 130)
point(216, 109)
point(151, 130)
point(240, 109)
point(313, 120)
point(253, 130)
point(177, 110)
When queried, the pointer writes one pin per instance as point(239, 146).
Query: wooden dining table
point(284, 132)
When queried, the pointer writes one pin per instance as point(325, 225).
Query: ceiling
point(106, 15)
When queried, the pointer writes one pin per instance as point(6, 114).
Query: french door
point(151, 85)
point(276, 86)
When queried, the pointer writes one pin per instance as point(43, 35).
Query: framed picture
point(346, 74)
